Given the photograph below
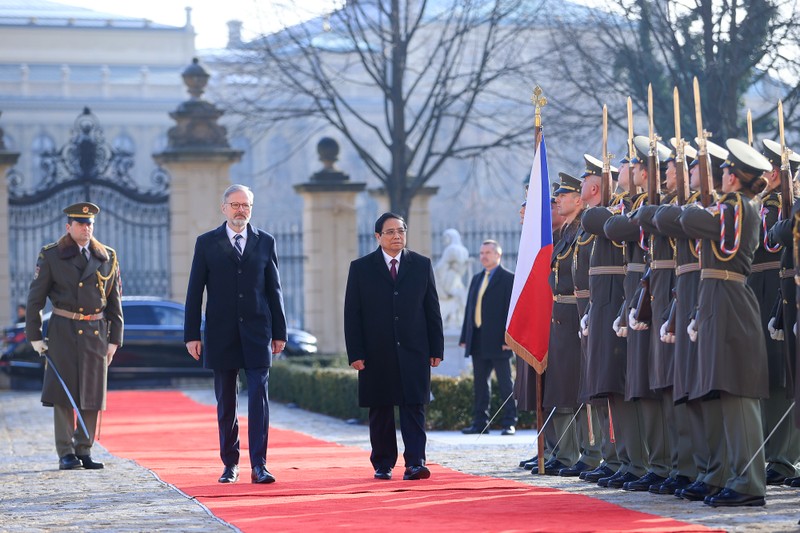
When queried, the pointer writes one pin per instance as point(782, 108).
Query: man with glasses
point(394, 335)
point(236, 265)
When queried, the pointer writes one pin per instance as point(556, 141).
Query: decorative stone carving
point(449, 272)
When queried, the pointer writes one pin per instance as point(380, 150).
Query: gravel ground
point(36, 496)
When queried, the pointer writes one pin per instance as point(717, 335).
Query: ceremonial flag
point(528, 323)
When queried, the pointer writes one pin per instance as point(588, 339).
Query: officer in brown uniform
point(80, 276)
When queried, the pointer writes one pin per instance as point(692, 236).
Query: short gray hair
point(494, 243)
point(237, 187)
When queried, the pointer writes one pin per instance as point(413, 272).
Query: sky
point(210, 17)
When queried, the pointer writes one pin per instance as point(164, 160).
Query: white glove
point(794, 329)
point(585, 325)
point(691, 329)
point(667, 337)
point(621, 331)
point(39, 346)
point(776, 334)
point(634, 324)
point(112, 349)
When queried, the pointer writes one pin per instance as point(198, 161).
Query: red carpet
point(326, 486)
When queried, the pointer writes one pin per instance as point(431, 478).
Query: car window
point(139, 315)
point(168, 316)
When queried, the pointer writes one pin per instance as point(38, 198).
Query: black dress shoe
point(88, 464)
point(792, 481)
point(260, 474)
point(416, 472)
point(509, 430)
point(383, 473)
point(69, 462)
point(549, 462)
point(532, 461)
point(593, 476)
point(618, 481)
point(554, 467)
point(230, 474)
point(731, 498)
point(644, 483)
point(698, 491)
point(474, 430)
point(774, 477)
point(671, 485)
point(574, 470)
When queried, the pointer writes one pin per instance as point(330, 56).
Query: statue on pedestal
point(449, 272)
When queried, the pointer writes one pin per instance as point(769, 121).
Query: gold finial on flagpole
point(539, 102)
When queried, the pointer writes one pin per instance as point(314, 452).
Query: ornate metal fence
point(134, 221)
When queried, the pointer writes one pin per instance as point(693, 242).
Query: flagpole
point(538, 101)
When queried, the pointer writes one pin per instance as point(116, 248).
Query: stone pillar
point(419, 225)
point(7, 160)
point(198, 159)
point(330, 242)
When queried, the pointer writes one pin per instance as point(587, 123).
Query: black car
point(153, 344)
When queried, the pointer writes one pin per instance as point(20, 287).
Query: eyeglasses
point(393, 232)
point(236, 206)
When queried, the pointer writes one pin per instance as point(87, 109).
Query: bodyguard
point(80, 276)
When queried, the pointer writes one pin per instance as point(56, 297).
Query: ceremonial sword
point(69, 396)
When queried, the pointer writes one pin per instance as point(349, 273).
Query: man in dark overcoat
point(483, 337)
point(236, 265)
point(80, 276)
point(394, 335)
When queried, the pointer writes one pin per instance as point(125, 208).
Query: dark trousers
point(482, 377)
point(226, 388)
point(383, 437)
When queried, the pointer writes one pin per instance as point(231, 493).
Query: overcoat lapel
point(377, 257)
point(252, 241)
point(225, 245)
point(405, 265)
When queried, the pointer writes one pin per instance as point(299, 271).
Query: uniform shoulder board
point(48, 246)
point(772, 201)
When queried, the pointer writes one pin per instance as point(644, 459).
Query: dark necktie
point(393, 270)
point(237, 243)
point(85, 253)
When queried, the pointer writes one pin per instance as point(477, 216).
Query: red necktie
point(393, 270)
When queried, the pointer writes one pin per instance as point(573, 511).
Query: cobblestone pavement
point(36, 496)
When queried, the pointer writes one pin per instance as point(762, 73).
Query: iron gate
point(133, 220)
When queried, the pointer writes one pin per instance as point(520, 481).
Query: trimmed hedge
point(322, 385)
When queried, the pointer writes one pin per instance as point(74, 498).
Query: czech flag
point(530, 311)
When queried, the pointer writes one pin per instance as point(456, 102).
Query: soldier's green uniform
point(730, 341)
point(86, 318)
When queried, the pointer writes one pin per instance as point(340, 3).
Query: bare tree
point(410, 84)
point(743, 52)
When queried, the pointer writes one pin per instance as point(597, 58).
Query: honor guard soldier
point(605, 370)
point(80, 277)
point(731, 349)
point(782, 450)
point(671, 440)
point(574, 454)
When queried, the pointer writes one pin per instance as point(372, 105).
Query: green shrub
point(324, 384)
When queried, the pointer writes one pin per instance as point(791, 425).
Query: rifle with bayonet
point(632, 188)
point(749, 128)
point(605, 179)
point(787, 193)
point(681, 172)
point(704, 160)
point(653, 174)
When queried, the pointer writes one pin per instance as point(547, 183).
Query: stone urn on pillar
point(330, 242)
point(198, 160)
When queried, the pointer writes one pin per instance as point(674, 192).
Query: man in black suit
point(394, 335)
point(483, 337)
point(237, 267)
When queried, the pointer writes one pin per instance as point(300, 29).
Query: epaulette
point(773, 200)
point(48, 246)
